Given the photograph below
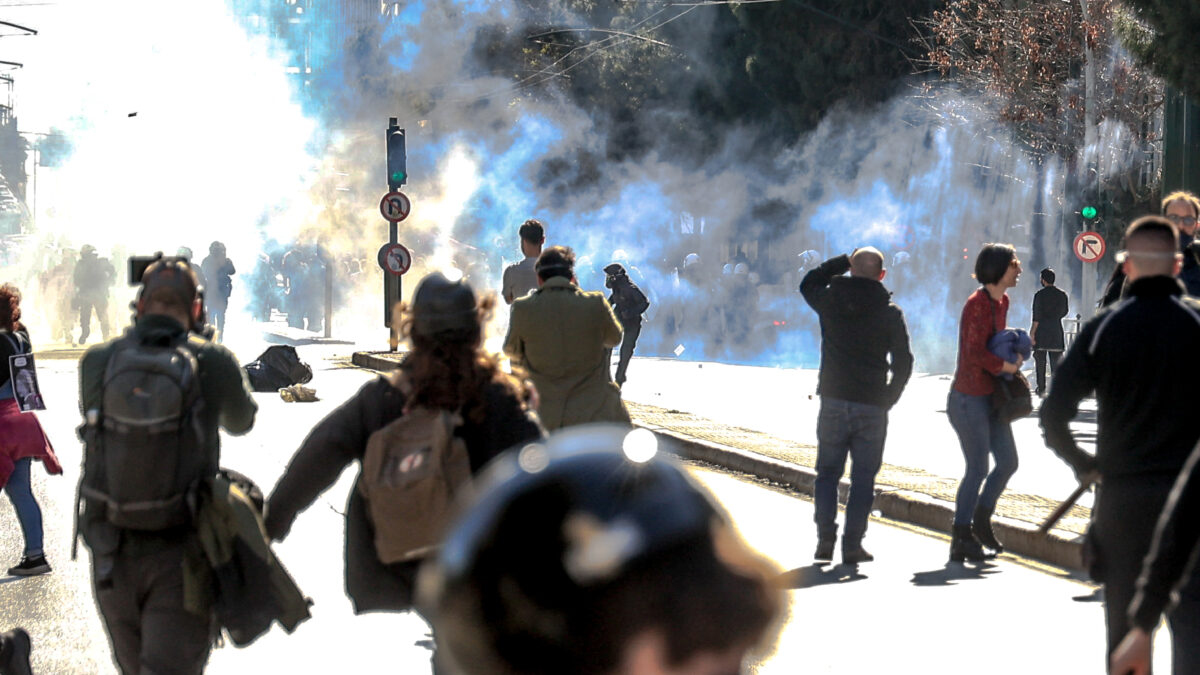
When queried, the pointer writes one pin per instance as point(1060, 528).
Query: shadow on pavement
point(953, 572)
point(818, 574)
point(1097, 595)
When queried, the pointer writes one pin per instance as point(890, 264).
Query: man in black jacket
point(1049, 308)
point(1168, 572)
point(860, 328)
point(628, 303)
point(1136, 355)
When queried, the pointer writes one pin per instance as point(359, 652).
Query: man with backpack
point(628, 303)
point(153, 401)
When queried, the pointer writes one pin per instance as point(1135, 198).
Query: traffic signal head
point(397, 158)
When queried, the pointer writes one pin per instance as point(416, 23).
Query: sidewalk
point(762, 421)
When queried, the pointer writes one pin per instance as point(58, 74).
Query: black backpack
point(145, 447)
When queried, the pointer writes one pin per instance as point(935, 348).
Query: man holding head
point(860, 329)
point(1136, 355)
point(563, 337)
point(521, 278)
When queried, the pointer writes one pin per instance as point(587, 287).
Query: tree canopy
point(1163, 35)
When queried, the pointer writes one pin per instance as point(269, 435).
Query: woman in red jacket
point(21, 439)
point(979, 430)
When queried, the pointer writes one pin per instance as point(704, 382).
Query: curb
point(1059, 547)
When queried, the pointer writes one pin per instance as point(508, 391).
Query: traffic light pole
point(397, 176)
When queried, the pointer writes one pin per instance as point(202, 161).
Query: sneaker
point(858, 554)
point(824, 549)
point(30, 567)
point(14, 652)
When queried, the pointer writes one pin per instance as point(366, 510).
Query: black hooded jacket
point(860, 328)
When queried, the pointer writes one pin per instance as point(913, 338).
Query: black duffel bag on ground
point(278, 367)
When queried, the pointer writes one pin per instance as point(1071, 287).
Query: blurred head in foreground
point(590, 554)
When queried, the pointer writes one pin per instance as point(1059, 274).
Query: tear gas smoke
point(264, 131)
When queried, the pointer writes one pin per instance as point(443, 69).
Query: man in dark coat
point(1049, 308)
point(628, 303)
point(1136, 356)
point(860, 329)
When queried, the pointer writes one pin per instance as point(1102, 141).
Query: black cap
point(613, 269)
point(441, 305)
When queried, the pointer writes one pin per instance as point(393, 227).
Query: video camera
point(138, 264)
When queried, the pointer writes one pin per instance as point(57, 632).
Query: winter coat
point(1049, 308)
point(341, 439)
point(1010, 343)
point(563, 337)
point(860, 328)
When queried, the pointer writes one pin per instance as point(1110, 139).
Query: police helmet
point(441, 306)
point(614, 269)
point(553, 528)
point(691, 259)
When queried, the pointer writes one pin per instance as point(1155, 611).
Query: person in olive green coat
point(563, 338)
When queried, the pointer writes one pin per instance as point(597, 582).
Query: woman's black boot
point(981, 527)
point(963, 545)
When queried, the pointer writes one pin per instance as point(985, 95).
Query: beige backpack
point(413, 470)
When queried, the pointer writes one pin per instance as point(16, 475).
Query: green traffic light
point(1089, 212)
point(398, 176)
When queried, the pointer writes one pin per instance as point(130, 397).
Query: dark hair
point(10, 308)
point(451, 370)
point(556, 261)
point(1184, 196)
point(1154, 227)
point(1048, 275)
point(993, 262)
point(533, 231)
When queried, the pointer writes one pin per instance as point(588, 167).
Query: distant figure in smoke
point(303, 271)
point(629, 303)
point(186, 253)
point(563, 338)
point(219, 268)
point(521, 278)
point(1049, 308)
point(1182, 209)
point(57, 287)
point(93, 277)
point(860, 329)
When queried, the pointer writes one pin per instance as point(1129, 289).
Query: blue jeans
point(981, 434)
point(854, 429)
point(29, 514)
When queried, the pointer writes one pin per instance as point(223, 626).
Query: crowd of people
point(583, 551)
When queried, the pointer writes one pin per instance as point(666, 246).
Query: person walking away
point(93, 277)
point(863, 338)
point(521, 278)
point(628, 303)
point(159, 391)
point(219, 269)
point(448, 370)
point(576, 557)
point(1136, 356)
point(1167, 573)
point(980, 430)
point(1049, 307)
point(563, 337)
point(22, 440)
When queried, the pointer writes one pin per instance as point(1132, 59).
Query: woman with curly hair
point(21, 439)
point(446, 369)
